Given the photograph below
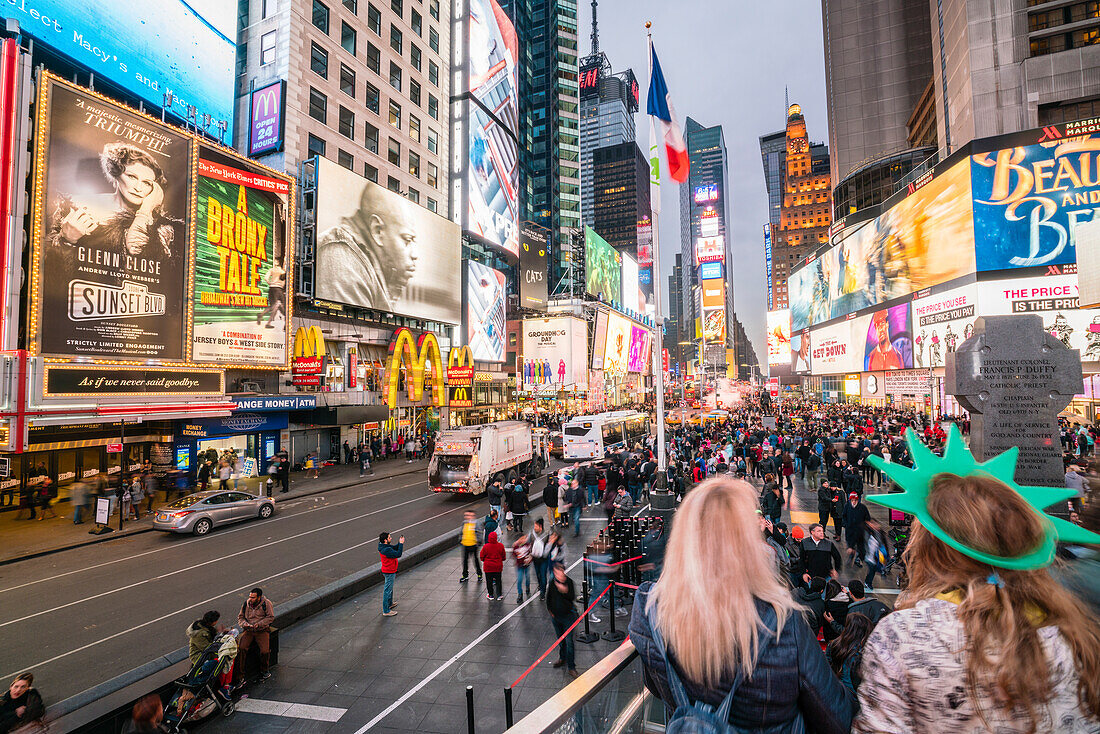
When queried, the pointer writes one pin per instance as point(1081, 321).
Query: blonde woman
point(975, 647)
point(728, 622)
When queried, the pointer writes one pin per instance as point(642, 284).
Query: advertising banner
point(768, 263)
point(779, 337)
point(888, 342)
point(833, 349)
point(90, 382)
point(714, 325)
point(641, 339)
point(898, 253)
point(941, 322)
point(555, 354)
point(632, 299)
point(266, 118)
point(908, 382)
point(1055, 298)
point(599, 339)
point(711, 271)
point(800, 352)
point(110, 256)
point(492, 180)
point(616, 355)
point(378, 250)
point(714, 293)
point(710, 249)
point(872, 385)
point(706, 193)
point(485, 292)
point(602, 267)
point(240, 312)
point(186, 49)
point(532, 267)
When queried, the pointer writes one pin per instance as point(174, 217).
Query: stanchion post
point(588, 636)
point(613, 635)
point(508, 706)
point(470, 709)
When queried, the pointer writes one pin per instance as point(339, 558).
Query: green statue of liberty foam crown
point(957, 459)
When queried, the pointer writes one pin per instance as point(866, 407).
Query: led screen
point(632, 299)
point(710, 271)
point(779, 337)
point(616, 355)
point(602, 267)
point(485, 293)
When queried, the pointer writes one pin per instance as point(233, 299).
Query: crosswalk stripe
point(290, 710)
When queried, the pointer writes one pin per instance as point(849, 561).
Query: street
point(79, 617)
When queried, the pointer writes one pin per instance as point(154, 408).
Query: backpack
point(695, 717)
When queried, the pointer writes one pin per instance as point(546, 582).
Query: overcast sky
point(726, 63)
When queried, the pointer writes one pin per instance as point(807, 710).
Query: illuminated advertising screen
point(602, 267)
point(532, 266)
point(492, 172)
point(186, 48)
point(703, 194)
point(266, 119)
point(800, 352)
point(632, 299)
point(878, 340)
point(768, 262)
point(485, 294)
point(708, 223)
point(898, 253)
point(555, 354)
point(378, 250)
point(710, 249)
point(240, 311)
point(941, 322)
point(779, 337)
point(599, 340)
point(641, 339)
point(714, 325)
point(1055, 299)
point(616, 354)
point(710, 271)
point(714, 293)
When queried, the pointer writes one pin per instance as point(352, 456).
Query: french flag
point(659, 105)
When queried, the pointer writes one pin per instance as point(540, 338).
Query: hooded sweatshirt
point(492, 554)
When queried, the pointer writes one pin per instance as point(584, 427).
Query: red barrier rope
point(629, 586)
point(612, 565)
point(559, 640)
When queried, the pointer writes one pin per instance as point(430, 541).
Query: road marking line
point(290, 710)
point(207, 563)
point(227, 593)
point(221, 534)
point(454, 659)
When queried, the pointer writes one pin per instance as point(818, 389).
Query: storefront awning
point(340, 415)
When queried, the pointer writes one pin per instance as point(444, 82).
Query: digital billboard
point(894, 255)
point(708, 222)
point(1055, 299)
point(710, 249)
point(878, 340)
point(706, 193)
point(714, 325)
point(183, 48)
point(779, 337)
point(110, 256)
point(888, 343)
point(532, 266)
point(240, 312)
point(378, 250)
point(599, 339)
point(266, 118)
point(941, 322)
point(602, 267)
point(616, 354)
point(710, 271)
point(492, 171)
point(555, 354)
point(768, 263)
point(632, 299)
point(641, 339)
point(486, 289)
point(800, 352)
point(714, 293)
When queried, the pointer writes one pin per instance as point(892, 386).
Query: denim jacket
point(792, 689)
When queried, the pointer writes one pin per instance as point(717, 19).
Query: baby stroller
point(899, 538)
point(206, 688)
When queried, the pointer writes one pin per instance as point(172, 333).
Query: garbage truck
point(467, 460)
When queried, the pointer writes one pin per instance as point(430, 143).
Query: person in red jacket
point(492, 559)
point(388, 554)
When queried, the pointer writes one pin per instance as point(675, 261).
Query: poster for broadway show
point(240, 307)
point(110, 255)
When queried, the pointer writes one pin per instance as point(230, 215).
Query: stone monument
point(1015, 377)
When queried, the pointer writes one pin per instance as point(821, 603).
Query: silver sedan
point(201, 512)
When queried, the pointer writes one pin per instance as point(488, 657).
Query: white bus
point(595, 436)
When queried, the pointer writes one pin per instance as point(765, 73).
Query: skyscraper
point(620, 210)
point(773, 154)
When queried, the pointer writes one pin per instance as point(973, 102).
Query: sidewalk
point(29, 538)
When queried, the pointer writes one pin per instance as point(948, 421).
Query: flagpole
point(661, 483)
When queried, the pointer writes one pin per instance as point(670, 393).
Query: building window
point(433, 39)
point(433, 73)
point(397, 7)
point(433, 175)
point(433, 106)
point(393, 184)
point(374, 58)
point(1048, 45)
point(417, 22)
point(414, 196)
point(395, 115)
point(320, 15)
point(345, 159)
point(347, 81)
point(373, 98)
point(396, 39)
point(433, 141)
point(318, 106)
point(374, 20)
point(394, 154)
point(347, 122)
point(372, 138)
point(265, 8)
point(1086, 37)
point(267, 47)
point(318, 61)
point(433, 8)
point(347, 38)
point(316, 146)
point(414, 92)
point(415, 56)
point(352, 5)
point(433, 205)
point(395, 76)
point(371, 172)
point(414, 164)
point(414, 128)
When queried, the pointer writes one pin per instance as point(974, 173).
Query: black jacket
point(871, 608)
point(771, 504)
point(517, 503)
point(792, 689)
point(550, 493)
point(591, 475)
point(814, 605)
point(820, 559)
point(558, 603)
point(496, 494)
point(825, 499)
point(8, 718)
